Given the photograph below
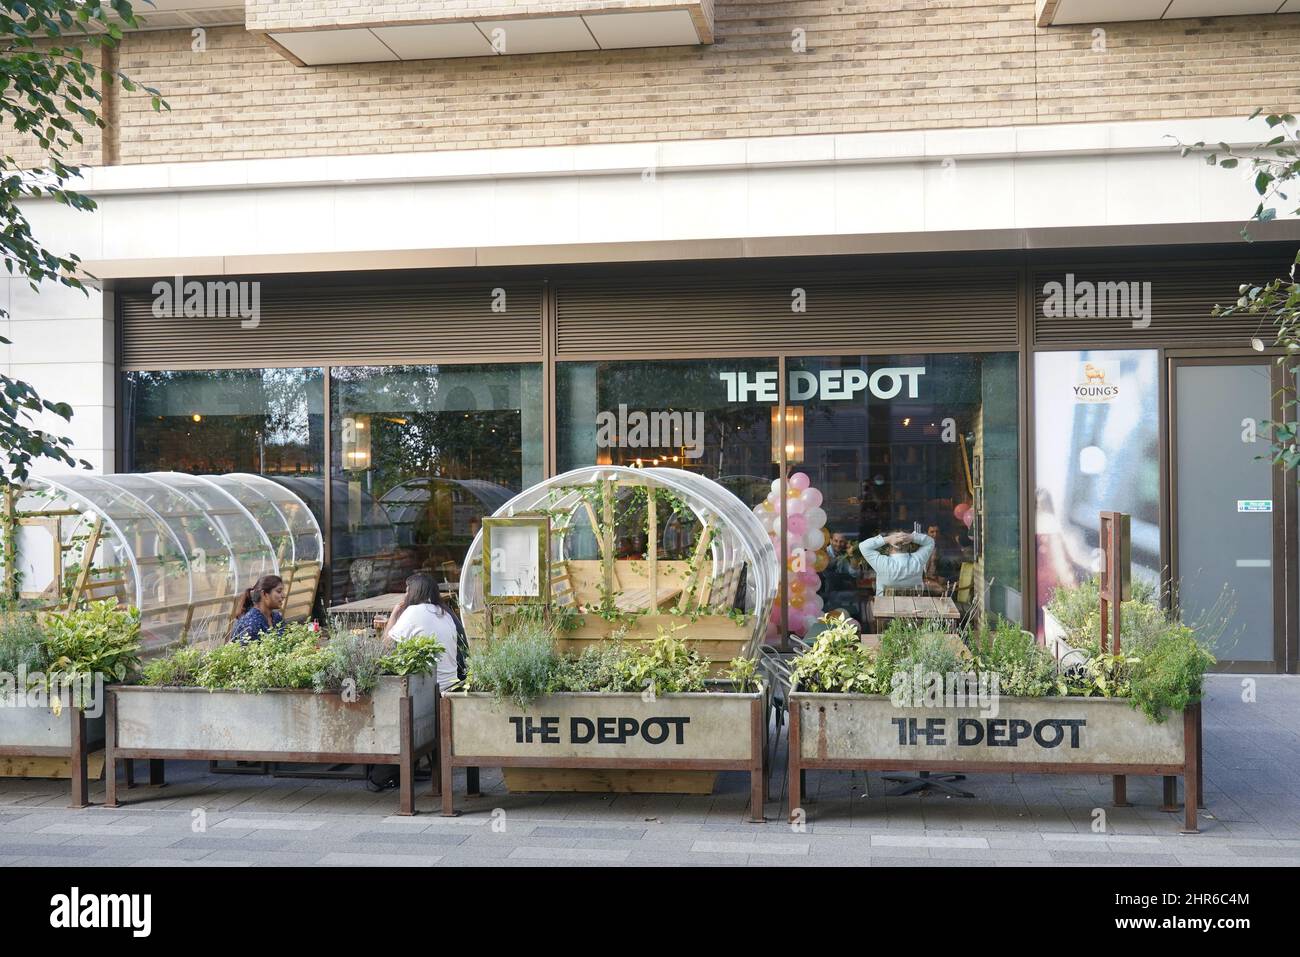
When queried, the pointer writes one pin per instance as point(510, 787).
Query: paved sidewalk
point(1252, 781)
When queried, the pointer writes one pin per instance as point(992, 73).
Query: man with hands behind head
point(899, 559)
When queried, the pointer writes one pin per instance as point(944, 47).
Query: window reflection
point(712, 417)
point(420, 455)
point(920, 445)
point(215, 421)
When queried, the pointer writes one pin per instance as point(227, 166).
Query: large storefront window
point(923, 444)
point(214, 421)
point(419, 455)
point(1096, 449)
point(713, 417)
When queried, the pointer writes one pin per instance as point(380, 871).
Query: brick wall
point(870, 65)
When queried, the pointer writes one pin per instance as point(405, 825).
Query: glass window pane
point(420, 455)
point(1096, 445)
point(923, 444)
point(215, 421)
point(710, 416)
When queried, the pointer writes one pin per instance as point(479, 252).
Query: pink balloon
point(968, 518)
point(811, 497)
point(811, 579)
point(799, 481)
point(797, 524)
point(961, 509)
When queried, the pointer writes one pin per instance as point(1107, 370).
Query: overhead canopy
point(738, 548)
point(180, 548)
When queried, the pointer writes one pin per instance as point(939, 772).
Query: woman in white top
point(422, 612)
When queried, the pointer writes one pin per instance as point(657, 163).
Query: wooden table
point(362, 611)
point(916, 608)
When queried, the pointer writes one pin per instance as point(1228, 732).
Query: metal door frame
point(1284, 514)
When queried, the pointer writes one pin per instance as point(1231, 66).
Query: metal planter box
point(704, 731)
point(395, 724)
point(1034, 735)
point(28, 732)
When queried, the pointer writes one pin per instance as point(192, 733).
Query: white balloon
point(814, 539)
point(795, 506)
point(816, 517)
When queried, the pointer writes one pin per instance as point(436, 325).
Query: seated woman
point(422, 612)
point(260, 610)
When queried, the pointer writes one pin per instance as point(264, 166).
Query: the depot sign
point(721, 730)
point(1025, 730)
point(706, 726)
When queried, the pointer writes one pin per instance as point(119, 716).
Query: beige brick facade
point(870, 66)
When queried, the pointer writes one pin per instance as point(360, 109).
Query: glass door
point(1227, 508)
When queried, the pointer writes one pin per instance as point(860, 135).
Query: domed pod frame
point(634, 551)
point(180, 548)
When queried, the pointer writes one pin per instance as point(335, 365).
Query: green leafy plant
point(180, 669)
point(52, 57)
point(292, 657)
point(1170, 674)
point(837, 662)
point(596, 669)
point(284, 658)
point(743, 674)
point(518, 666)
point(99, 638)
point(1275, 165)
point(1023, 667)
point(414, 656)
point(351, 660)
point(22, 642)
point(665, 665)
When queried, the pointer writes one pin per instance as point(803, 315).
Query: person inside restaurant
point(899, 560)
point(840, 576)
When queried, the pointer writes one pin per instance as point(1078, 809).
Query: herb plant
point(518, 666)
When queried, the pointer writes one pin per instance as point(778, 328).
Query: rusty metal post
point(794, 794)
point(77, 760)
point(1169, 799)
point(444, 758)
point(758, 751)
point(1192, 768)
point(435, 764)
point(406, 760)
point(110, 749)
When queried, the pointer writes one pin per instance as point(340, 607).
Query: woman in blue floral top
point(259, 612)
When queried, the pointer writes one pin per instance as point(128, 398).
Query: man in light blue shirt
point(896, 565)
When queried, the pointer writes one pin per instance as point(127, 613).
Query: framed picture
point(516, 566)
